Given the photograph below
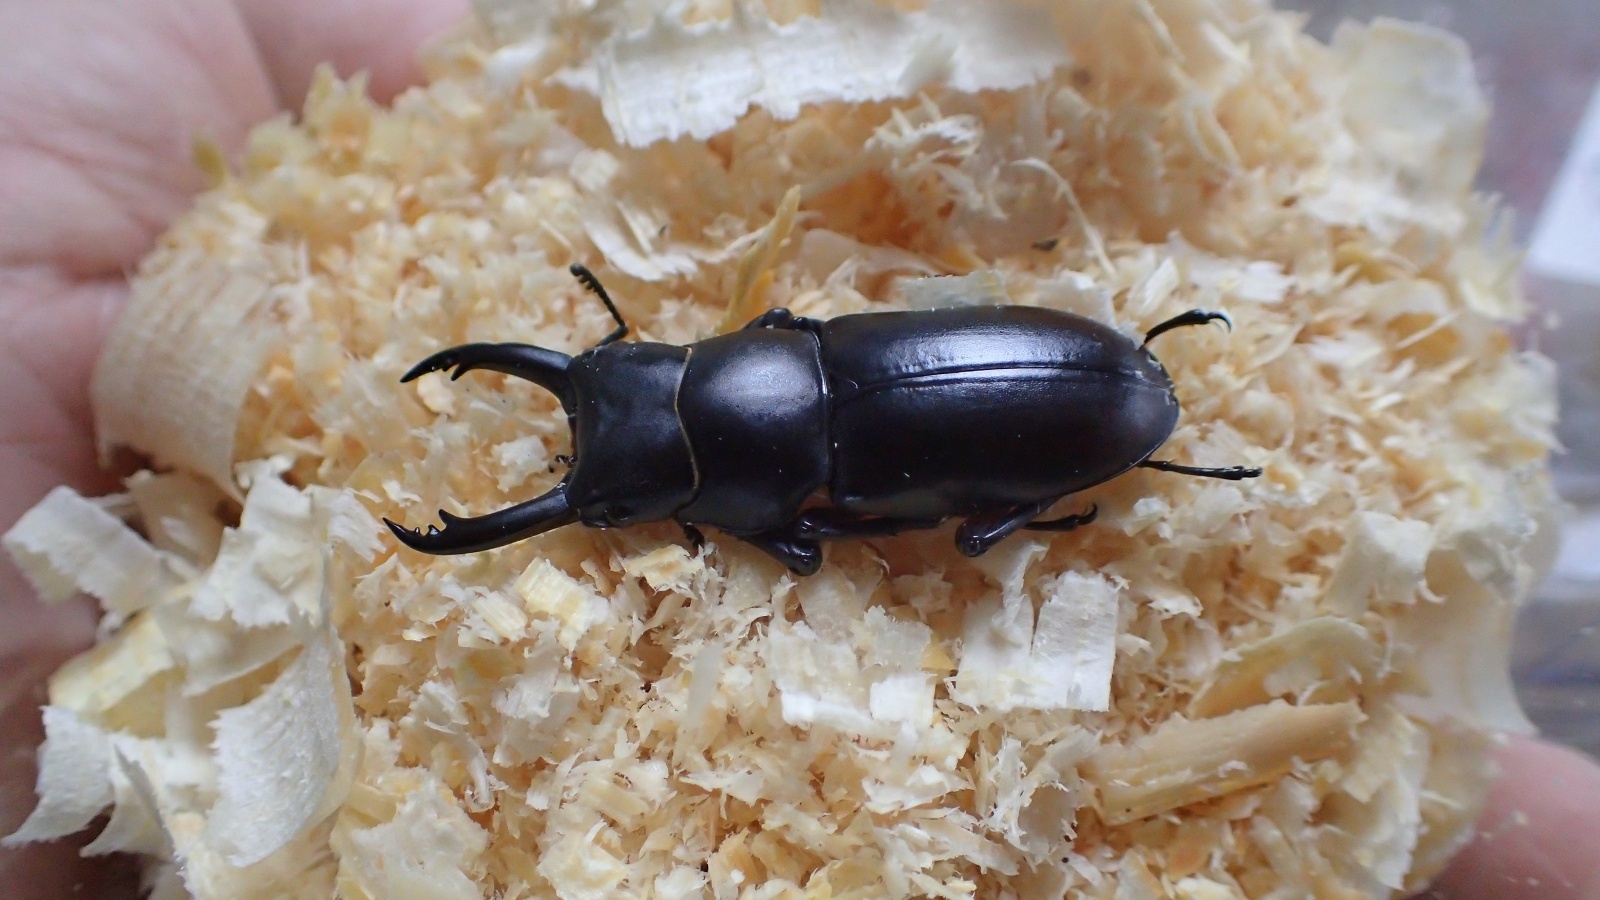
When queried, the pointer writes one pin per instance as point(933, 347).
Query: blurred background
point(1539, 60)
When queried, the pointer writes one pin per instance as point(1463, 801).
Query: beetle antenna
point(1192, 317)
point(588, 280)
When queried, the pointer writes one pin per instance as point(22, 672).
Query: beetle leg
point(783, 318)
point(694, 535)
point(1192, 317)
point(803, 557)
point(1065, 523)
point(588, 280)
point(1231, 473)
point(980, 532)
point(833, 524)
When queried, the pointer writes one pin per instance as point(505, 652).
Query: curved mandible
point(548, 511)
point(546, 368)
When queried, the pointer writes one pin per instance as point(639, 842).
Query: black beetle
point(991, 413)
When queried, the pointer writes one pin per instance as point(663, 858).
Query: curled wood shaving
point(183, 406)
point(1317, 655)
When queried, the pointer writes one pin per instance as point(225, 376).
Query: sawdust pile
point(1276, 688)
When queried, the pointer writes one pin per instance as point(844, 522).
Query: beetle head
point(633, 463)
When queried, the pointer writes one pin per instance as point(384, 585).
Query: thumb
point(1540, 835)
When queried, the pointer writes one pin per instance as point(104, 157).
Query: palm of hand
point(99, 105)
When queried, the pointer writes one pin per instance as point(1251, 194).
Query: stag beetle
point(991, 413)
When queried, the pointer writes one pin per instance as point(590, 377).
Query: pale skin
point(99, 102)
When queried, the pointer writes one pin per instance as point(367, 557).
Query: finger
point(47, 346)
point(382, 37)
point(1539, 837)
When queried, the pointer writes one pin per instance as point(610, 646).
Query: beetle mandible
point(905, 419)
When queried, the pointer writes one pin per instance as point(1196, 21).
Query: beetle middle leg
point(783, 318)
point(1231, 473)
point(803, 557)
point(980, 532)
point(695, 536)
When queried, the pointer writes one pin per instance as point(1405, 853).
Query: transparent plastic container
point(1540, 63)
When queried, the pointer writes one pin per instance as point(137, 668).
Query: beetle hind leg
point(1183, 320)
point(1230, 473)
point(1065, 523)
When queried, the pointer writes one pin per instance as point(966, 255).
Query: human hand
point(99, 105)
point(1540, 837)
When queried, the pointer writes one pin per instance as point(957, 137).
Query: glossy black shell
point(954, 411)
point(920, 414)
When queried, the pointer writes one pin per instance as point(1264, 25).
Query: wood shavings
point(955, 290)
point(1318, 655)
point(1184, 762)
point(134, 825)
point(74, 778)
point(1062, 661)
point(548, 591)
point(856, 51)
point(185, 405)
point(755, 266)
point(271, 779)
point(267, 571)
point(1383, 563)
point(67, 544)
point(178, 514)
point(98, 682)
point(1279, 688)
